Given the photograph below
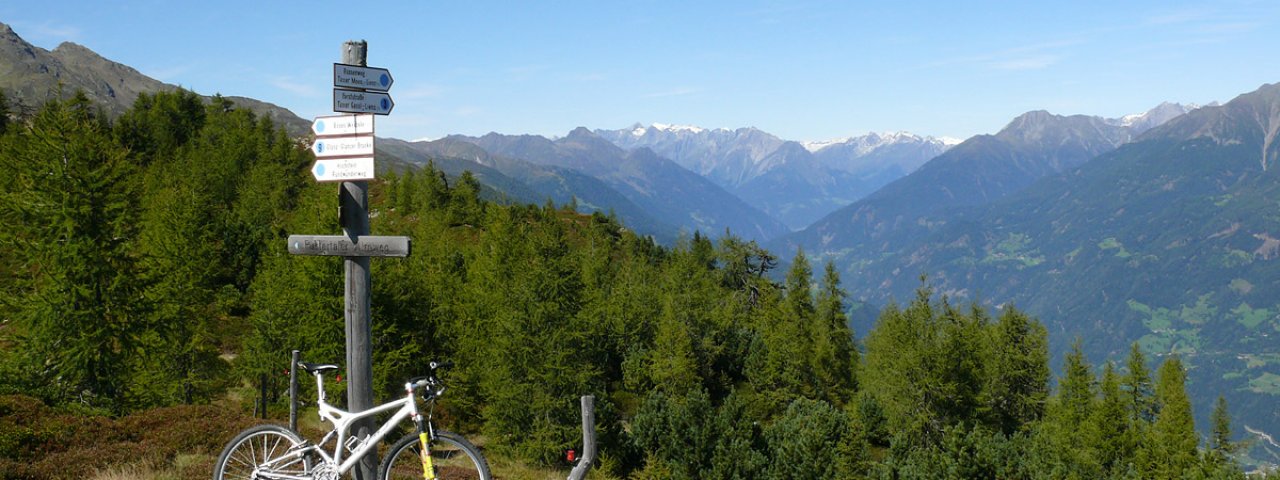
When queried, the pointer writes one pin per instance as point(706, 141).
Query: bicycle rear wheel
point(260, 449)
point(453, 457)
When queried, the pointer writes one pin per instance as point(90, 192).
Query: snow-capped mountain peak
point(677, 128)
point(872, 141)
point(1155, 117)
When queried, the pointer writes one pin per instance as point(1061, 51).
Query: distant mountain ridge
point(1170, 239)
point(665, 190)
point(32, 75)
point(980, 170)
point(786, 179)
point(528, 182)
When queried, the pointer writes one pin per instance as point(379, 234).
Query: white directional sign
point(342, 125)
point(355, 101)
point(358, 146)
point(343, 170)
point(355, 76)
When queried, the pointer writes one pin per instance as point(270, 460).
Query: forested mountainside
point(1167, 241)
point(146, 267)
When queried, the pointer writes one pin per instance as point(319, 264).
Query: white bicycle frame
point(342, 421)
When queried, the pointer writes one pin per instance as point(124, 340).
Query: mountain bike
point(273, 452)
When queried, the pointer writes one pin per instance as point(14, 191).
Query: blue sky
point(799, 69)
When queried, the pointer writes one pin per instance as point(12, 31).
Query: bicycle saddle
point(314, 368)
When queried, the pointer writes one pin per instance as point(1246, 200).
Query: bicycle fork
point(428, 469)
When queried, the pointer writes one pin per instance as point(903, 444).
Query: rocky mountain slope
point(792, 182)
point(668, 192)
point(30, 76)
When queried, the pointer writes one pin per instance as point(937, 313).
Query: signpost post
point(344, 150)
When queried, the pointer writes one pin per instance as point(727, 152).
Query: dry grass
point(134, 471)
point(38, 442)
point(174, 443)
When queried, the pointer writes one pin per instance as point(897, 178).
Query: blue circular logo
point(319, 126)
point(319, 169)
point(386, 104)
point(319, 147)
point(384, 79)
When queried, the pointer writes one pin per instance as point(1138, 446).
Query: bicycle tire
point(253, 450)
point(453, 457)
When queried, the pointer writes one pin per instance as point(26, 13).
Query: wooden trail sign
point(344, 246)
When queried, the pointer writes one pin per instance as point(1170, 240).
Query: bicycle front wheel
point(260, 452)
point(453, 457)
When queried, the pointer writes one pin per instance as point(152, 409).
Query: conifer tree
point(4, 113)
point(1115, 439)
point(178, 239)
point(835, 356)
point(71, 211)
point(1017, 383)
point(1220, 445)
point(1076, 389)
point(1137, 388)
point(1069, 429)
point(1172, 448)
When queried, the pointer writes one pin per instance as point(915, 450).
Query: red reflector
point(571, 455)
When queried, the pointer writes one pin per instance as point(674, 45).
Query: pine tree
point(72, 216)
point(1137, 388)
point(178, 238)
point(835, 356)
point(1017, 384)
point(1220, 445)
point(158, 124)
point(1068, 427)
point(1115, 440)
point(4, 113)
point(1172, 448)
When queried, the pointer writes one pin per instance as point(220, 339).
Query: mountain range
point(792, 182)
point(662, 187)
point(1160, 228)
point(1108, 234)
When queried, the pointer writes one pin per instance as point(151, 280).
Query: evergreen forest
point(143, 266)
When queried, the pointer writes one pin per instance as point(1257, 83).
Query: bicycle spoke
point(263, 452)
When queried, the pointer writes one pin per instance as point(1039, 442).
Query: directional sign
point(343, 246)
point(355, 146)
point(343, 170)
point(356, 101)
point(342, 125)
point(355, 76)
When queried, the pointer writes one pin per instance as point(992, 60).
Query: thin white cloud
point(1229, 27)
point(48, 32)
point(775, 13)
point(467, 111)
point(168, 74)
point(1177, 17)
point(420, 91)
point(295, 87)
point(676, 92)
point(589, 77)
point(1035, 62)
point(1027, 57)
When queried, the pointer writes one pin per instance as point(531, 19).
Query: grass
point(1251, 317)
point(1268, 383)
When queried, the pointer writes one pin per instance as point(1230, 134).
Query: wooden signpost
point(344, 150)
